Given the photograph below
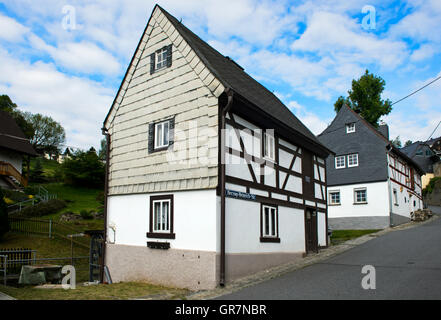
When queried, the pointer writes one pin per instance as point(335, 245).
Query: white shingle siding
point(186, 91)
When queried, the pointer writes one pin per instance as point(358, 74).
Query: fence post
point(50, 229)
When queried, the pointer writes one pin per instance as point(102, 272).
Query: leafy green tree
point(4, 222)
point(49, 135)
point(10, 107)
point(408, 143)
point(103, 150)
point(84, 169)
point(36, 174)
point(397, 142)
point(365, 98)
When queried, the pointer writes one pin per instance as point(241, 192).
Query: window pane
point(166, 132)
point(273, 222)
point(157, 210)
point(165, 215)
point(159, 135)
point(266, 221)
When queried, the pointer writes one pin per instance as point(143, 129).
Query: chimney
point(384, 129)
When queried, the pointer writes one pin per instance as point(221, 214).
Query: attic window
point(161, 59)
point(350, 127)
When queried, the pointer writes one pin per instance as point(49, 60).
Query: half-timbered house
point(371, 183)
point(210, 177)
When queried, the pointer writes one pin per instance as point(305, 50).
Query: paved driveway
point(407, 263)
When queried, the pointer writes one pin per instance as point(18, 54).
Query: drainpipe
point(389, 187)
point(106, 195)
point(224, 112)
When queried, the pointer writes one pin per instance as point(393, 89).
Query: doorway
point(311, 235)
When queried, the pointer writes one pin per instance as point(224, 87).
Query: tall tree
point(365, 98)
point(102, 154)
point(49, 135)
point(397, 142)
point(10, 107)
point(408, 143)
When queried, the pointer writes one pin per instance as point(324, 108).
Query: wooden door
point(311, 235)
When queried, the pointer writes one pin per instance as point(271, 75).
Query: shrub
point(86, 215)
point(4, 222)
point(431, 185)
point(44, 208)
point(15, 196)
point(84, 170)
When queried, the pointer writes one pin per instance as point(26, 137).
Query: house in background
point(13, 148)
point(192, 205)
point(427, 155)
point(371, 183)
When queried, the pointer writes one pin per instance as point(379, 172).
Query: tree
point(84, 169)
point(396, 142)
point(37, 173)
point(10, 107)
point(102, 154)
point(365, 98)
point(49, 135)
point(4, 222)
point(408, 143)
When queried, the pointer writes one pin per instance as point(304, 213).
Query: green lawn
point(118, 291)
point(339, 236)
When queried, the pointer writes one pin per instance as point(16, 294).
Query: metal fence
point(48, 228)
point(4, 267)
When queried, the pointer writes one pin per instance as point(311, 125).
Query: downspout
point(389, 187)
point(224, 112)
point(106, 196)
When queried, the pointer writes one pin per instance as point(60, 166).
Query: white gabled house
point(371, 183)
point(188, 203)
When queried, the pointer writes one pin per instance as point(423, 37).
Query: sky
point(66, 59)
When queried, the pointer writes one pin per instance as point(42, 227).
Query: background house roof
point(11, 136)
point(232, 76)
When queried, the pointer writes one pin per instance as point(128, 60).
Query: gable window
point(161, 59)
point(350, 127)
point(360, 196)
point(334, 197)
point(353, 160)
point(161, 135)
point(340, 162)
point(269, 147)
point(161, 217)
point(269, 226)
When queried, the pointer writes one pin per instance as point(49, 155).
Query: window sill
point(397, 205)
point(334, 204)
point(269, 240)
point(161, 235)
point(360, 203)
point(161, 149)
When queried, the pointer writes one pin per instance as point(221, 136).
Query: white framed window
point(161, 216)
point(269, 227)
point(350, 127)
point(162, 134)
point(161, 58)
point(353, 160)
point(340, 162)
point(269, 147)
point(360, 196)
point(334, 197)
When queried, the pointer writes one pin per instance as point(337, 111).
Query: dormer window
point(161, 59)
point(350, 127)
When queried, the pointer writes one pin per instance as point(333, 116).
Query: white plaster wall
point(195, 220)
point(13, 158)
point(405, 201)
point(243, 229)
point(377, 198)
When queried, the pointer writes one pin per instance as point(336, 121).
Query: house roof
point(11, 136)
point(232, 76)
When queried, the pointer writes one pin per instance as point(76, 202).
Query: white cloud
point(79, 104)
point(11, 30)
point(308, 118)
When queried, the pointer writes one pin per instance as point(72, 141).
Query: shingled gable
point(11, 136)
point(335, 125)
point(227, 73)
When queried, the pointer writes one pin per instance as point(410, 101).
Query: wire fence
point(49, 228)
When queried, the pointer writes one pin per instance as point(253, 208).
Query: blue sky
point(306, 52)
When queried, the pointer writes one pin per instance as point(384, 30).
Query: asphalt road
point(407, 266)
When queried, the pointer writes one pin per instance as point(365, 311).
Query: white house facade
point(210, 177)
point(371, 184)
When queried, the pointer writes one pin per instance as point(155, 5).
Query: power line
point(434, 131)
point(409, 95)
